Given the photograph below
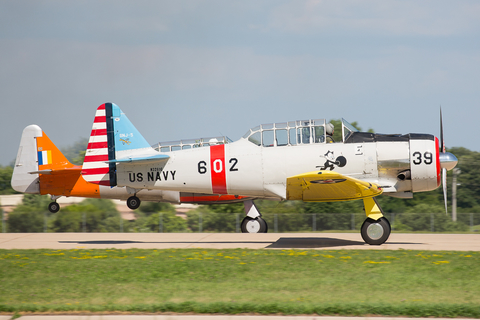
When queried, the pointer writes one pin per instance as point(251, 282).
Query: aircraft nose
point(448, 160)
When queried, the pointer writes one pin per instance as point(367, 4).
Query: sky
point(190, 69)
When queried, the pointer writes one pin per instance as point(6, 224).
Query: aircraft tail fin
point(36, 155)
point(113, 139)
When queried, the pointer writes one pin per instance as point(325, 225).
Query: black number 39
point(427, 158)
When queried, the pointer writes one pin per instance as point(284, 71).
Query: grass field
point(347, 282)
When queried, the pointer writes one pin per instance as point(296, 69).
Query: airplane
point(41, 168)
point(283, 161)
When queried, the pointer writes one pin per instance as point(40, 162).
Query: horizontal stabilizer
point(142, 159)
point(329, 186)
point(57, 171)
point(48, 171)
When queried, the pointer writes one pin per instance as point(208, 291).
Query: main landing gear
point(376, 228)
point(253, 222)
point(133, 202)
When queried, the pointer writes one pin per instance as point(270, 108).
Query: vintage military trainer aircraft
point(41, 168)
point(284, 161)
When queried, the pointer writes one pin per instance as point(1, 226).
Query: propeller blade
point(447, 160)
point(442, 142)
point(444, 183)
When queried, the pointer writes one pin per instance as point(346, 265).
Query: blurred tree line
point(96, 215)
point(91, 215)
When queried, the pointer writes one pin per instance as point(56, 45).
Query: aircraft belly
point(114, 193)
point(144, 194)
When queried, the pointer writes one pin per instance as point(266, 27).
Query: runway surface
point(200, 317)
point(455, 242)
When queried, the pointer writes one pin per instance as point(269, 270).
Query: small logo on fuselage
point(331, 161)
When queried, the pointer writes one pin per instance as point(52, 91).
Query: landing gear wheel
point(250, 225)
point(133, 202)
point(53, 207)
point(375, 232)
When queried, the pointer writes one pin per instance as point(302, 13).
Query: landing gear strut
point(133, 202)
point(253, 222)
point(376, 228)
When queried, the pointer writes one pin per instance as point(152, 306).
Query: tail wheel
point(251, 225)
point(375, 232)
point(133, 202)
point(53, 207)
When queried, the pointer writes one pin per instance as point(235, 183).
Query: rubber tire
point(53, 207)
point(381, 225)
point(257, 225)
point(133, 203)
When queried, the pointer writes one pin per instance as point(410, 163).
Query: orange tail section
point(58, 176)
point(50, 157)
point(42, 168)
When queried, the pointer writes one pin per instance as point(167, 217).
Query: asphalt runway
point(201, 317)
point(320, 241)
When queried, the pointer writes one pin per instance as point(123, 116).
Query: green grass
point(347, 282)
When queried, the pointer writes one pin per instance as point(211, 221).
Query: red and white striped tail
point(96, 168)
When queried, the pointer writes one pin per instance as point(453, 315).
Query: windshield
point(347, 129)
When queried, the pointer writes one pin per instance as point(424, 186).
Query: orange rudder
point(49, 156)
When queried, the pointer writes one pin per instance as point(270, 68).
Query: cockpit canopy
point(268, 135)
point(190, 143)
point(293, 133)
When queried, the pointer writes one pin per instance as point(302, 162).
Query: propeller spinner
point(448, 161)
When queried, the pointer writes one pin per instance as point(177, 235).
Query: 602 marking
point(217, 165)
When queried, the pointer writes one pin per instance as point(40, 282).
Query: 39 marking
point(426, 158)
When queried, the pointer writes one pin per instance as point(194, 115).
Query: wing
point(329, 186)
